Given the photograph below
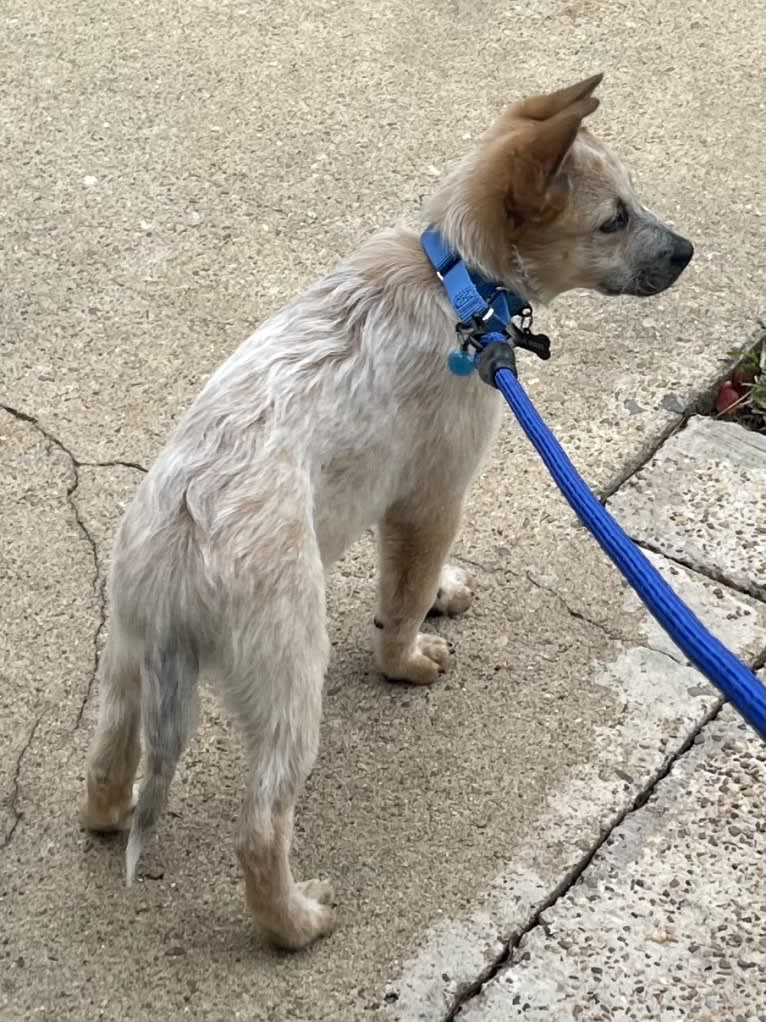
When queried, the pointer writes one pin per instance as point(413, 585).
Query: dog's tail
point(169, 676)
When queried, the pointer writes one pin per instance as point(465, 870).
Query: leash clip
point(500, 352)
point(462, 362)
point(469, 333)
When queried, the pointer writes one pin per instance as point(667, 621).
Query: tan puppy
point(339, 413)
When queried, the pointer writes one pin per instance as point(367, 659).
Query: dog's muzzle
point(657, 272)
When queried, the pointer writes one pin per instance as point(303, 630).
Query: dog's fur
point(339, 413)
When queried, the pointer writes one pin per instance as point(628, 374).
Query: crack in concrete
point(13, 801)
point(676, 657)
point(98, 582)
point(504, 960)
point(486, 568)
point(613, 636)
point(576, 614)
point(680, 660)
point(117, 463)
point(756, 592)
point(646, 454)
point(98, 588)
point(53, 439)
point(701, 402)
point(760, 661)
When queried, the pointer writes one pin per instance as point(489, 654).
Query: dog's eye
point(615, 223)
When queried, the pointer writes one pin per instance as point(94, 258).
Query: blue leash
point(487, 338)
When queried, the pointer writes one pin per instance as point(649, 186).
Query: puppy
point(337, 414)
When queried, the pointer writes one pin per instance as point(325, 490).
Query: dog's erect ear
point(518, 166)
point(535, 156)
point(549, 141)
point(540, 108)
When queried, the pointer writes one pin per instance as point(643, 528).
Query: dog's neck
point(514, 275)
point(485, 251)
point(523, 282)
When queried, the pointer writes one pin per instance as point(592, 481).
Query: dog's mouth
point(646, 287)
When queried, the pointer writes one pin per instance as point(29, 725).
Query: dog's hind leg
point(169, 673)
point(116, 747)
point(289, 914)
point(274, 687)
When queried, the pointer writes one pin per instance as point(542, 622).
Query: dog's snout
point(655, 261)
point(681, 252)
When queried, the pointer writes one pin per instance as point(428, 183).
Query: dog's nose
point(681, 252)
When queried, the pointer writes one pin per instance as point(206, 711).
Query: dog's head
point(544, 207)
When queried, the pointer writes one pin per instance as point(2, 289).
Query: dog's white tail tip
point(132, 855)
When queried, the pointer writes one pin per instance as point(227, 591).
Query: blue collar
point(481, 306)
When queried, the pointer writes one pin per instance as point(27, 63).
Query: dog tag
point(461, 363)
point(538, 344)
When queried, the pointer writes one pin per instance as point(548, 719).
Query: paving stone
point(702, 500)
point(669, 920)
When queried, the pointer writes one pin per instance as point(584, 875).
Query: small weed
point(743, 397)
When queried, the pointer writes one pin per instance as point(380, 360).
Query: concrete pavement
point(668, 920)
point(170, 175)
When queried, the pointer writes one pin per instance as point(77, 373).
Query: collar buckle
point(483, 308)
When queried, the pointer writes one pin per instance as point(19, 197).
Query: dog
point(339, 413)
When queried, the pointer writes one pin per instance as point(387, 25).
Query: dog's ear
point(535, 190)
point(517, 171)
point(548, 142)
point(540, 108)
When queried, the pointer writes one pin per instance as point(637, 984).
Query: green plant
point(744, 395)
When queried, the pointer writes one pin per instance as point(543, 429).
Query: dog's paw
point(307, 916)
point(455, 595)
point(320, 890)
point(106, 809)
point(424, 663)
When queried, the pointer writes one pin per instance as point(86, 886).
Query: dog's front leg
point(413, 543)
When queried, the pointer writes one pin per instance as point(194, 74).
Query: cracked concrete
point(98, 580)
point(576, 614)
point(667, 923)
point(98, 588)
point(50, 609)
point(163, 176)
point(12, 799)
point(483, 986)
point(507, 572)
point(683, 501)
point(663, 705)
